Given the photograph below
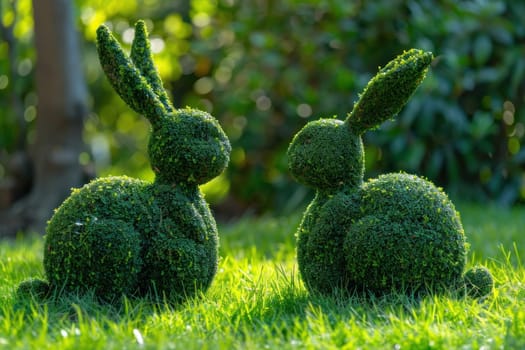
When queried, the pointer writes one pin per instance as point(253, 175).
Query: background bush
point(264, 68)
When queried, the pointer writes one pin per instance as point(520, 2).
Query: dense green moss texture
point(121, 236)
point(396, 233)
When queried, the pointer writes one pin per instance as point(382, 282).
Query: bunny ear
point(126, 79)
point(389, 90)
point(141, 57)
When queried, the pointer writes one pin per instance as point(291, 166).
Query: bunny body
point(374, 239)
point(398, 232)
point(122, 236)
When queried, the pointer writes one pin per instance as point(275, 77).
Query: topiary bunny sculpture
point(122, 236)
point(395, 233)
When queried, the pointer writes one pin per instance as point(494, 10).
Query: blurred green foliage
point(264, 68)
point(17, 96)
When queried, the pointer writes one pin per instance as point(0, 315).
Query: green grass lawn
point(258, 301)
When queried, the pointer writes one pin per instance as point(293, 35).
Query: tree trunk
point(62, 106)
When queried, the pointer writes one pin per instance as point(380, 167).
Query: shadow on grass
point(278, 308)
point(56, 306)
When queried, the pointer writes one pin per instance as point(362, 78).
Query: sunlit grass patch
point(258, 301)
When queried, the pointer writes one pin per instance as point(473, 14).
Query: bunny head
point(327, 154)
point(187, 146)
point(190, 148)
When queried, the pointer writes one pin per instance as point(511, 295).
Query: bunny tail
point(126, 79)
point(143, 60)
point(389, 90)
